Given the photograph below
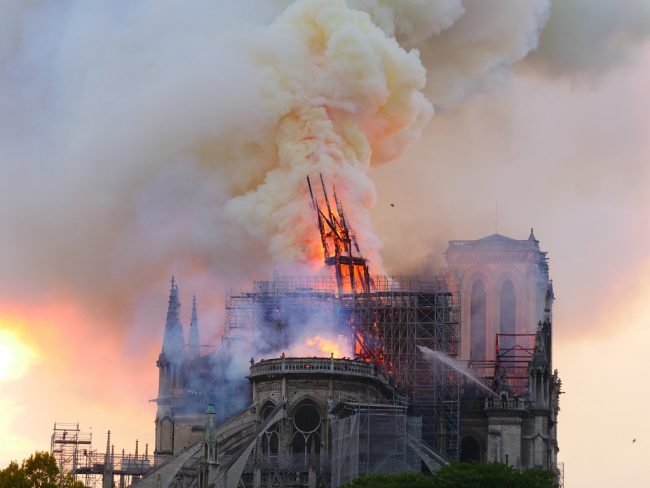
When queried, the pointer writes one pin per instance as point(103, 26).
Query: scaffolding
point(388, 324)
point(374, 439)
point(512, 358)
point(74, 454)
point(386, 320)
point(509, 370)
point(72, 448)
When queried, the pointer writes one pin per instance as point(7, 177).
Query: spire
point(108, 447)
point(193, 340)
point(532, 238)
point(210, 436)
point(173, 342)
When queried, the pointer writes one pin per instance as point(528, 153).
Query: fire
point(322, 346)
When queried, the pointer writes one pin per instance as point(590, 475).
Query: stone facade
point(502, 283)
point(507, 297)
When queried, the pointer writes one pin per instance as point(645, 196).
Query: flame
point(321, 346)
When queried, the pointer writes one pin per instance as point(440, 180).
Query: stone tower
point(169, 365)
point(503, 283)
point(505, 289)
point(182, 387)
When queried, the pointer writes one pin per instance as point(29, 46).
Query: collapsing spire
point(193, 339)
point(173, 341)
point(340, 246)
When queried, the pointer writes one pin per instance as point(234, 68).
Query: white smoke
point(137, 140)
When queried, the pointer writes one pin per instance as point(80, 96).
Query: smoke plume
point(143, 140)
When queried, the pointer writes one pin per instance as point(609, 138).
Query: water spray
point(456, 366)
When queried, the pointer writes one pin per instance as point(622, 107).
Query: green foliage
point(37, 471)
point(462, 475)
point(410, 480)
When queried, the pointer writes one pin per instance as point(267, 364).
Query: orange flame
point(323, 346)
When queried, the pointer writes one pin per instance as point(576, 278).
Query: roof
point(496, 242)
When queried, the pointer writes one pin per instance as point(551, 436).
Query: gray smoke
point(125, 130)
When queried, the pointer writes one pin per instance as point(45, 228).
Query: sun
point(15, 356)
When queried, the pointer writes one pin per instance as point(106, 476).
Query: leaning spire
point(193, 339)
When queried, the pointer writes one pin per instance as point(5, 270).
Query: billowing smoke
point(143, 140)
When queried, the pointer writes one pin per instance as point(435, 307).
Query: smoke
point(584, 39)
point(143, 140)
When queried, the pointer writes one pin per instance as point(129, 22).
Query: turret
point(210, 440)
point(209, 464)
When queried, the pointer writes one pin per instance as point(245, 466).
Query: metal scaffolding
point(74, 454)
point(386, 320)
point(373, 440)
point(72, 448)
point(387, 325)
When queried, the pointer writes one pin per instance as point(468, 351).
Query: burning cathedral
point(320, 379)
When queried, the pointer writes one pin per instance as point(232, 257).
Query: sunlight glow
point(15, 356)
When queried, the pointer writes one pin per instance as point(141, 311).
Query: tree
point(37, 471)
point(412, 480)
point(41, 470)
point(13, 477)
point(463, 475)
point(492, 475)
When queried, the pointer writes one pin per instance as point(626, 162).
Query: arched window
point(507, 314)
point(477, 321)
point(270, 439)
point(307, 423)
point(470, 450)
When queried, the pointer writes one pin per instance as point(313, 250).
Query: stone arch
point(470, 449)
point(477, 319)
point(266, 409)
point(305, 397)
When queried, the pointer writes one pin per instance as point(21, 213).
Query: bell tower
point(503, 283)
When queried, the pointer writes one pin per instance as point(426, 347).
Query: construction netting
point(373, 442)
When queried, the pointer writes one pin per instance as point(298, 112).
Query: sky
point(125, 160)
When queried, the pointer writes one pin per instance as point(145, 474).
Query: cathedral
point(250, 415)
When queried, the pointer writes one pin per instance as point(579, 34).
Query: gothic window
point(507, 314)
point(270, 439)
point(477, 321)
point(470, 450)
point(307, 422)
